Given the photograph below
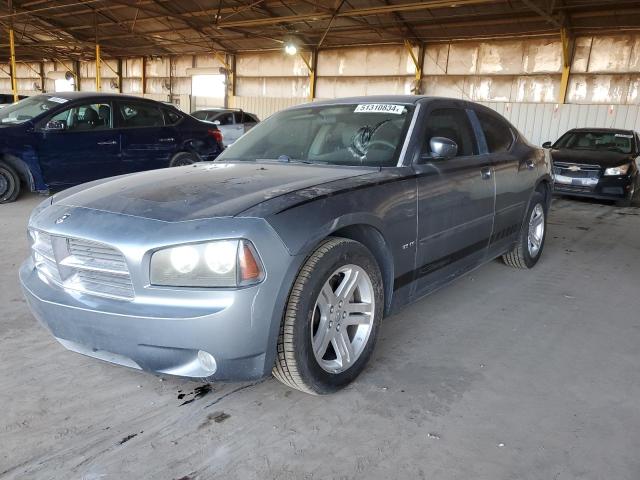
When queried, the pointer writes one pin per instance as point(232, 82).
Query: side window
point(171, 117)
point(249, 118)
point(199, 115)
point(240, 117)
point(225, 118)
point(451, 123)
point(140, 115)
point(94, 116)
point(496, 132)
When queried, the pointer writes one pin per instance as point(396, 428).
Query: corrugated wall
point(541, 122)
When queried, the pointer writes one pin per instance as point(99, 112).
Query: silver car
point(285, 253)
point(232, 123)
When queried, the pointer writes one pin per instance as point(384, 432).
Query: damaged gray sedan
point(284, 254)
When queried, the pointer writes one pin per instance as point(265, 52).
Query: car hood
point(198, 191)
point(591, 157)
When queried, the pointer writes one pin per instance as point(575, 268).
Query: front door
point(78, 145)
point(455, 200)
point(147, 143)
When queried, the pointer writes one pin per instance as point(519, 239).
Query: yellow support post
point(566, 65)
point(418, 64)
point(312, 72)
point(98, 86)
point(14, 83)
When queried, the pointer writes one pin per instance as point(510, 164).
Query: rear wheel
point(332, 318)
point(181, 159)
point(9, 183)
point(527, 252)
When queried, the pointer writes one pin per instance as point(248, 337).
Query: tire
point(9, 183)
point(181, 159)
point(297, 365)
point(525, 254)
point(631, 198)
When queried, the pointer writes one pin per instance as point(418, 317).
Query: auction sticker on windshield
point(57, 99)
point(379, 108)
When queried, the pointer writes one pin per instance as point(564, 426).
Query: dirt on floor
point(504, 374)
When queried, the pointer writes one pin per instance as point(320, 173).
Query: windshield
point(612, 141)
point(29, 108)
point(354, 134)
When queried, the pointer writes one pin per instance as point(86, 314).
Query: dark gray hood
point(199, 191)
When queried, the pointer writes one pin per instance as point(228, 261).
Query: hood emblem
point(574, 168)
point(63, 218)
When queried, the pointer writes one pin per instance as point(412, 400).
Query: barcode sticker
point(379, 108)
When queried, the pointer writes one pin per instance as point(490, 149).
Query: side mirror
point(55, 125)
point(546, 145)
point(442, 147)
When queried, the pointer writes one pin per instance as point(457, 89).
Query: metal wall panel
point(264, 106)
point(541, 122)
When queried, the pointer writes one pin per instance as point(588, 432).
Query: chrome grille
point(82, 265)
point(576, 170)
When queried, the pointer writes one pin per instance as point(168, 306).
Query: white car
point(232, 123)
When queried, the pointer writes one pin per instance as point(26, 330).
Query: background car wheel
point(331, 319)
point(181, 159)
point(527, 252)
point(631, 199)
point(9, 183)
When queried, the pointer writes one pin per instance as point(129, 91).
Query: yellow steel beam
point(312, 72)
point(98, 64)
point(144, 75)
point(14, 83)
point(566, 65)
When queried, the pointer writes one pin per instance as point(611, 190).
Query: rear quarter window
point(497, 132)
point(171, 117)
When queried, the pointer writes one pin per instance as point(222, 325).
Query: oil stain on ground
point(197, 393)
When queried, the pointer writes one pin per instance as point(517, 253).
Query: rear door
point(455, 199)
point(147, 142)
point(84, 146)
point(515, 176)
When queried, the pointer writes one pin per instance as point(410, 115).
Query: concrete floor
point(505, 374)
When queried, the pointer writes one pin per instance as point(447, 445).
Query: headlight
point(222, 263)
point(621, 170)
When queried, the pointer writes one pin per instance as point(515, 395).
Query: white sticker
point(379, 108)
point(58, 100)
point(624, 135)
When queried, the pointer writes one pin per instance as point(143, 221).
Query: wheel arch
point(22, 169)
point(544, 186)
point(375, 241)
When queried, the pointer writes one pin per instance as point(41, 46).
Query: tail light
point(215, 133)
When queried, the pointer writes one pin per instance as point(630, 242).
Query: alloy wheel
point(536, 230)
point(342, 318)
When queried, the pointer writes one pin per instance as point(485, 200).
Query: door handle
point(166, 140)
point(486, 173)
point(109, 142)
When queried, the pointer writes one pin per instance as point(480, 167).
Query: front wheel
point(527, 252)
point(332, 318)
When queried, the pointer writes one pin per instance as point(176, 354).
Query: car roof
point(401, 99)
point(602, 130)
point(86, 95)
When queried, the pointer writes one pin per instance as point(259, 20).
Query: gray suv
point(232, 123)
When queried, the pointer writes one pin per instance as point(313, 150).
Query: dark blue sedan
point(54, 141)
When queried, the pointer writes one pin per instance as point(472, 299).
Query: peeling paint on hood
point(202, 190)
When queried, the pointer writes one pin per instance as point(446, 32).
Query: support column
point(566, 64)
point(14, 82)
point(311, 66)
point(43, 83)
point(119, 75)
point(98, 61)
point(418, 62)
point(144, 75)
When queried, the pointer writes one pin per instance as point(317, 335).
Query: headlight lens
point(222, 263)
point(621, 170)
